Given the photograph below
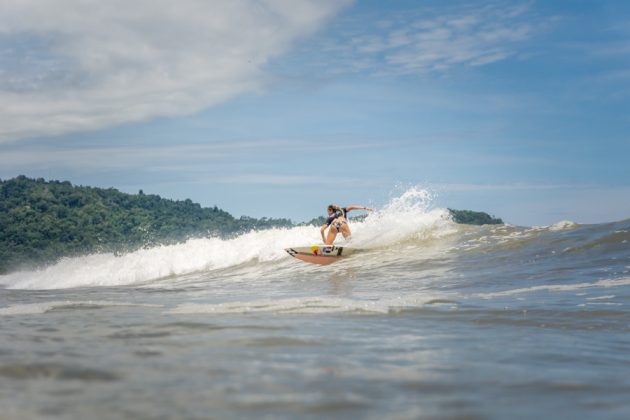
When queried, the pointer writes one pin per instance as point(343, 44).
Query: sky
point(277, 108)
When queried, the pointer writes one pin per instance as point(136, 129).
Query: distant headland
point(42, 221)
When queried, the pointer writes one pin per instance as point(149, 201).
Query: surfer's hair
point(334, 207)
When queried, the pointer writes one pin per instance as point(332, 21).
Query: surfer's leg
point(345, 231)
point(332, 234)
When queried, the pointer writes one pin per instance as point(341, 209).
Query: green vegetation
point(468, 217)
point(42, 221)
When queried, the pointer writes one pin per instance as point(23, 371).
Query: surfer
point(338, 222)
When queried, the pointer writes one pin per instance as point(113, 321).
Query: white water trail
point(194, 255)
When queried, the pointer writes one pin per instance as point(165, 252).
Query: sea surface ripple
point(429, 320)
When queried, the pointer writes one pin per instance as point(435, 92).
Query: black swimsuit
point(336, 215)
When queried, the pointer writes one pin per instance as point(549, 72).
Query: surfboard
point(319, 254)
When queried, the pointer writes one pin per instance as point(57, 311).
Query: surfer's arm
point(359, 208)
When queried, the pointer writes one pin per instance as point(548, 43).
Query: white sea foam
point(563, 225)
point(316, 305)
point(43, 307)
point(601, 297)
point(147, 264)
point(405, 217)
point(558, 287)
point(558, 226)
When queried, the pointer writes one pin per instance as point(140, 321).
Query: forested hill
point(41, 221)
point(468, 217)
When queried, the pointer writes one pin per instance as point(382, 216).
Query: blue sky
point(277, 108)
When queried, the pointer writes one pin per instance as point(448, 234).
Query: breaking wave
point(408, 217)
point(406, 237)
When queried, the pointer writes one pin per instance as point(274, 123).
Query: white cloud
point(427, 40)
point(435, 44)
point(182, 158)
point(502, 187)
point(73, 65)
point(268, 179)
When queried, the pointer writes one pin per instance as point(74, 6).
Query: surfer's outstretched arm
point(359, 208)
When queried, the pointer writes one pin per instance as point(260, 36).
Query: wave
point(319, 305)
point(407, 232)
point(405, 218)
point(563, 225)
point(607, 283)
point(43, 307)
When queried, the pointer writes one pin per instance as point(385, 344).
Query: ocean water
point(430, 320)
